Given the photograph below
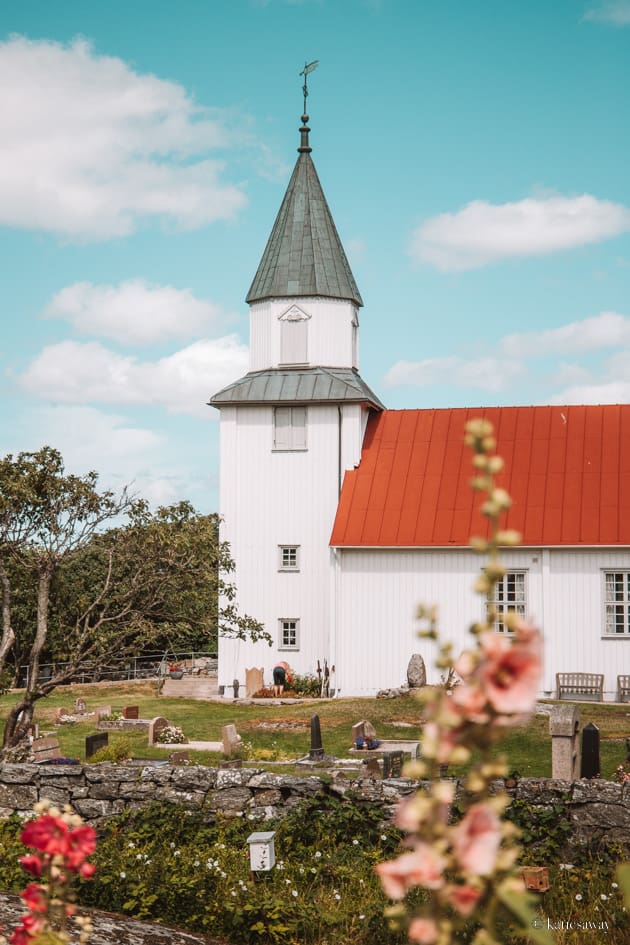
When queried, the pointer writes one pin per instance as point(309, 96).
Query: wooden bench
point(623, 688)
point(581, 686)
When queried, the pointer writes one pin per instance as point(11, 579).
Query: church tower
point(289, 429)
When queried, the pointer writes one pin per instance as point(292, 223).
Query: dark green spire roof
point(304, 255)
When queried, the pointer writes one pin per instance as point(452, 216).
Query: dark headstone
point(130, 712)
point(393, 764)
point(590, 751)
point(317, 748)
point(416, 672)
point(235, 685)
point(94, 743)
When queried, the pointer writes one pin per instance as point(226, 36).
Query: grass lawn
point(285, 729)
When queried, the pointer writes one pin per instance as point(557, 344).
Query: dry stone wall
point(599, 811)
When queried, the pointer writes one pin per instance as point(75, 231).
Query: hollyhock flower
point(35, 898)
point(81, 844)
point(476, 840)
point(470, 701)
point(87, 870)
point(423, 867)
point(47, 834)
point(423, 931)
point(32, 864)
point(510, 670)
point(463, 898)
point(25, 933)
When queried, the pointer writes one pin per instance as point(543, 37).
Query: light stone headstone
point(157, 725)
point(79, 707)
point(61, 712)
point(254, 681)
point(564, 727)
point(232, 741)
point(102, 711)
point(416, 672)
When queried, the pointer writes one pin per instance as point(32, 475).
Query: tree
point(114, 587)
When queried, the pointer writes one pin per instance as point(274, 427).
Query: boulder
point(416, 672)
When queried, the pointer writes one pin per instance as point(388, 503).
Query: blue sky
point(474, 154)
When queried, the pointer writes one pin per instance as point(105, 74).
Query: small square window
point(289, 558)
point(289, 633)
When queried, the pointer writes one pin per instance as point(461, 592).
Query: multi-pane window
point(509, 595)
point(289, 428)
point(289, 633)
point(289, 558)
point(617, 602)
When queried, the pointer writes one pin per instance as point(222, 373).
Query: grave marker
point(157, 725)
point(317, 749)
point(94, 743)
point(102, 711)
point(130, 712)
point(232, 741)
point(564, 728)
point(392, 764)
point(79, 707)
point(254, 681)
point(590, 752)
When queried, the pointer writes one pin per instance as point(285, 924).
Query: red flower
point(87, 870)
point(32, 864)
point(35, 898)
point(81, 844)
point(48, 834)
point(25, 933)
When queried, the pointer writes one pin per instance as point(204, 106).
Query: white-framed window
point(510, 594)
point(288, 557)
point(616, 603)
point(289, 633)
point(289, 428)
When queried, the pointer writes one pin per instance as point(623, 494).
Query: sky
point(474, 154)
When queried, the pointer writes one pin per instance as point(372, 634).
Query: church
point(343, 516)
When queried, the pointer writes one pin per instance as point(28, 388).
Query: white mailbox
point(262, 853)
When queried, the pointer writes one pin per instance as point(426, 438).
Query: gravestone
point(416, 672)
point(103, 711)
point(79, 707)
point(231, 763)
point(60, 713)
point(316, 752)
point(232, 741)
point(254, 681)
point(564, 728)
point(44, 749)
point(373, 769)
point(130, 712)
point(94, 743)
point(393, 764)
point(235, 686)
point(157, 725)
point(363, 730)
point(590, 752)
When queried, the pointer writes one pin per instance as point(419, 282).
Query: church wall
point(379, 591)
point(329, 331)
point(271, 498)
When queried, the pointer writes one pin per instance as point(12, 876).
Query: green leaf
point(623, 875)
point(522, 906)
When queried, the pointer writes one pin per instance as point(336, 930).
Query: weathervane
point(308, 67)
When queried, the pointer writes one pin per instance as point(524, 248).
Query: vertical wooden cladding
point(276, 498)
point(380, 590)
point(326, 335)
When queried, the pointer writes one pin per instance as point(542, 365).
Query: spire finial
point(304, 130)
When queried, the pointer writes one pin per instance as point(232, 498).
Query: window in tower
point(289, 428)
point(294, 336)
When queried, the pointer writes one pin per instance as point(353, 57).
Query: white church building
point(343, 516)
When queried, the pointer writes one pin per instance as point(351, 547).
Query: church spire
point(304, 256)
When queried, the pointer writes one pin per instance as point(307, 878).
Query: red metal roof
point(567, 470)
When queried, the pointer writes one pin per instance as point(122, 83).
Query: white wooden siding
point(379, 591)
point(330, 333)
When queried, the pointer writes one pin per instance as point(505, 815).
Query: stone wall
point(599, 811)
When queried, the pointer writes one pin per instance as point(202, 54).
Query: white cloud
point(134, 312)
point(90, 148)
point(87, 372)
point(606, 392)
point(490, 374)
point(616, 12)
point(606, 330)
point(483, 233)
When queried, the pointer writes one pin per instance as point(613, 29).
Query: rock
point(416, 672)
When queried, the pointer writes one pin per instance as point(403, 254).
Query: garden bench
point(581, 686)
point(623, 688)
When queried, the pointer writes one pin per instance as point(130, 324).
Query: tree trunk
point(8, 636)
point(19, 721)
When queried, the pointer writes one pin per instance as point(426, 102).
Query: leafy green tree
point(102, 593)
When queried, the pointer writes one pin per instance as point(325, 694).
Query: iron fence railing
point(146, 666)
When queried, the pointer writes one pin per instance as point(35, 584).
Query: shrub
point(119, 750)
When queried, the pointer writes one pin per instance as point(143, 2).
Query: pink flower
point(25, 933)
point(509, 669)
point(32, 864)
point(423, 931)
point(87, 870)
point(470, 701)
point(463, 898)
point(476, 840)
point(81, 844)
point(47, 834)
point(35, 898)
point(423, 867)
